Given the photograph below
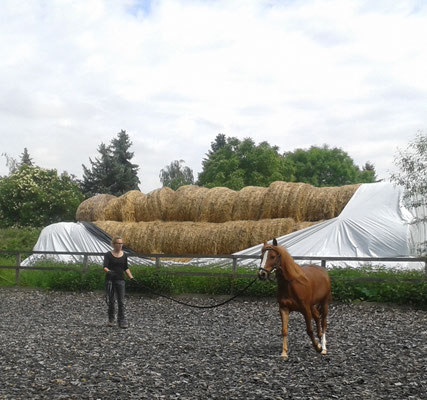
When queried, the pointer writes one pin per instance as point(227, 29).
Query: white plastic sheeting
point(374, 223)
point(418, 228)
point(72, 237)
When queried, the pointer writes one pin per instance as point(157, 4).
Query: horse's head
point(270, 260)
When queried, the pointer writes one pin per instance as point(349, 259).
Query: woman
point(115, 265)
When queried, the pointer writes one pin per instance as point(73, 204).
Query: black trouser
point(116, 289)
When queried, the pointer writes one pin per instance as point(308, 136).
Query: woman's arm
point(129, 274)
point(106, 263)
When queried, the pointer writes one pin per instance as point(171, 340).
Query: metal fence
point(233, 258)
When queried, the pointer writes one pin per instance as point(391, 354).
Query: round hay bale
point(127, 205)
point(283, 200)
point(305, 202)
point(187, 203)
point(113, 228)
point(299, 201)
point(156, 205)
point(93, 209)
point(217, 205)
point(327, 202)
point(139, 204)
point(112, 211)
point(249, 203)
point(197, 238)
point(343, 196)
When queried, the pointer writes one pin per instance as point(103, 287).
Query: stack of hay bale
point(197, 220)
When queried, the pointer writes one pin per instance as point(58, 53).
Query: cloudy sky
point(175, 73)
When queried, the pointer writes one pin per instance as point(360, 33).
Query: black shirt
point(117, 266)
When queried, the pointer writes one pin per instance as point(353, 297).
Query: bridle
point(276, 264)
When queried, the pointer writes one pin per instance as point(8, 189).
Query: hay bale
point(345, 193)
point(139, 204)
point(299, 201)
point(197, 237)
point(327, 202)
point(112, 211)
point(93, 209)
point(305, 202)
point(217, 205)
point(249, 203)
point(187, 203)
point(156, 206)
point(283, 200)
point(127, 205)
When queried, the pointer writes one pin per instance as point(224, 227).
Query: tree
point(36, 197)
point(234, 164)
point(14, 165)
point(368, 174)
point(322, 166)
point(26, 159)
point(412, 176)
point(99, 178)
point(176, 174)
point(112, 172)
point(11, 163)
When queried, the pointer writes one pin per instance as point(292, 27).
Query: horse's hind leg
point(308, 317)
point(325, 309)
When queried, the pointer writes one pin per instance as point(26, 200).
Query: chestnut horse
point(306, 289)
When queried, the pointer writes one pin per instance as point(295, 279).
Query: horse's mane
point(293, 270)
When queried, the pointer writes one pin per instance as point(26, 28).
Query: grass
point(13, 239)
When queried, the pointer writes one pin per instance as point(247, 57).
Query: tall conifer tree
point(111, 172)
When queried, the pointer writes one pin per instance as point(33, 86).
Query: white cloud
point(174, 74)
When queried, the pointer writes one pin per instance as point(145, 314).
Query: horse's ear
point(274, 242)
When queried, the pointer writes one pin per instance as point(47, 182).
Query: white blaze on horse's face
point(264, 259)
point(262, 273)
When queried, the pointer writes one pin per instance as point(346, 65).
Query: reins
point(108, 291)
point(194, 305)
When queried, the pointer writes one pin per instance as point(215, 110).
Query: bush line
point(389, 286)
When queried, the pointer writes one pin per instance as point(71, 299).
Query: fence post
point(425, 267)
point(157, 262)
point(85, 264)
point(234, 273)
point(234, 266)
point(17, 270)
point(323, 263)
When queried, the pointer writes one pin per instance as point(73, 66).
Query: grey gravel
point(56, 345)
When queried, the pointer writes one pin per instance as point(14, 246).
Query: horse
point(306, 289)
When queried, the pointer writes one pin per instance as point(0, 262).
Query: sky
point(351, 74)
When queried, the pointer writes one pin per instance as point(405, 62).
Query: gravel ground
point(56, 345)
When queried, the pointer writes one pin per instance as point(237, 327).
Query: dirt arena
point(56, 345)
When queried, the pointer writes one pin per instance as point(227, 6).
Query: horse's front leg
point(316, 315)
point(284, 314)
point(308, 318)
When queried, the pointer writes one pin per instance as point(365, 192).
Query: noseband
point(276, 264)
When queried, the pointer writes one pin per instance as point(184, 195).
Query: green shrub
point(348, 284)
point(379, 284)
point(34, 196)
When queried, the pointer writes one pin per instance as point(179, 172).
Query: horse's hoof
point(318, 348)
point(323, 351)
point(284, 357)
